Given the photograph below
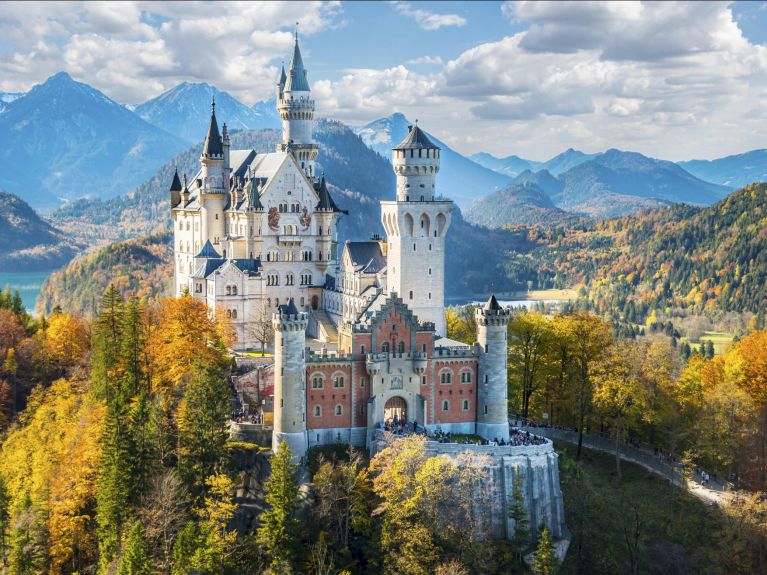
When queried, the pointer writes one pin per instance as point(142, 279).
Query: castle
point(358, 339)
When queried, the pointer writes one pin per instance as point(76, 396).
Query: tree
point(545, 562)
point(107, 332)
point(278, 524)
point(216, 544)
point(202, 422)
point(260, 324)
point(591, 338)
point(529, 337)
point(518, 513)
point(134, 559)
point(164, 513)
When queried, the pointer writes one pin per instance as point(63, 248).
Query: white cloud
point(429, 20)
point(436, 60)
point(112, 46)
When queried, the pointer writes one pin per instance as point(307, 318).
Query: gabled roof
point(416, 138)
point(175, 186)
point(208, 267)
point(366, 256)
point(248, 266)
point(208, 251)
point(297, 81)
point(213, 145)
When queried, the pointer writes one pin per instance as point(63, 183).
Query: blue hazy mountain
point(66, 140)
point(568, 159)
point(735, 171)
point(459, 179)
point(617, 182)
point(550, 185)
point(185, 111)
point(510, 166)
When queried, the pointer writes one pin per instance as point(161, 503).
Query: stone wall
point(538, 468)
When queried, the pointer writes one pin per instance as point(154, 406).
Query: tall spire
point(213, 145)
point(297, 81)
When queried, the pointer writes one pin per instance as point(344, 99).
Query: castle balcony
point(289, 240)
point(381, 362)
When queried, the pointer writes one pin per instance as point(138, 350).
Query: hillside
point(460, 179)
point(679, 257)
point(140, 266)
point(523, 203)
point(735, 171)
point(66, 140)
point(28, 242)
point(185, 110)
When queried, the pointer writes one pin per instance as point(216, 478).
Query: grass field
point(257, 354)
point(549, 294)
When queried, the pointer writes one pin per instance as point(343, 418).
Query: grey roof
point(249, 266)
point(213, 145)
point(175, 186)
point(283, 77)
point(289, 308)
point(326, 200)
point(416, 138)
point(207, 267)
point(366, 256)
point(297, 81)
point(492, 304)
point(208, 251)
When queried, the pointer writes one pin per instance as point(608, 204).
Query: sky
point(670, 80)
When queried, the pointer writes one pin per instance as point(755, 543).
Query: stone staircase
point(326, 329)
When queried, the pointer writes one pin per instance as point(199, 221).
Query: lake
point(27, 283)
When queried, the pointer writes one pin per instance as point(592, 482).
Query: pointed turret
point(492, 304)
point(185, 192)
point(296, 77)
point(281, 81)
point(175, 191)
point(254, 198)
point(213, 146)
point(326, 200)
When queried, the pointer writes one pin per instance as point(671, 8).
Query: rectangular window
point(362, 382)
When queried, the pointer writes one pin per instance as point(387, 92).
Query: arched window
point(446, 405)
point(234, 314)
point(228, 290)
point(317, 411)
point(465, 405)
point(338, 381)
point(234, 290)
point(362, 350)
point(401, 348)
point(318, 382)
point(385, 347)
point(339, 409)
point(445, 376)
point(466, 376)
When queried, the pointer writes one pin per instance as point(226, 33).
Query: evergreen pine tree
point(518, 513)
point(709, 349)
point(141, 446)
point(545, 562)
point(277, 531)
point(184, 548)
point(28, 550)
point(202, 421)
point(107, 333)
point(135, 559)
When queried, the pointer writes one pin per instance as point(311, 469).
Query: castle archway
point(395, 409)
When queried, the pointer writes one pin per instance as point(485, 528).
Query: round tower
point(416, 225)
point(215, 182)
point(492, 387)
point(296, 108)
point(290, 378)
point(416, 162)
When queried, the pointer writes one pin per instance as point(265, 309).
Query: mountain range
point(63, 140)
point(609, 184)
point(734, 171)
point(185, 111)
point(459, 179)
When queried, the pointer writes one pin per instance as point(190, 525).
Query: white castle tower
point(416, 224)
point(214, 185)
point(290, 378)
point(296, 108)
point(492, 386)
